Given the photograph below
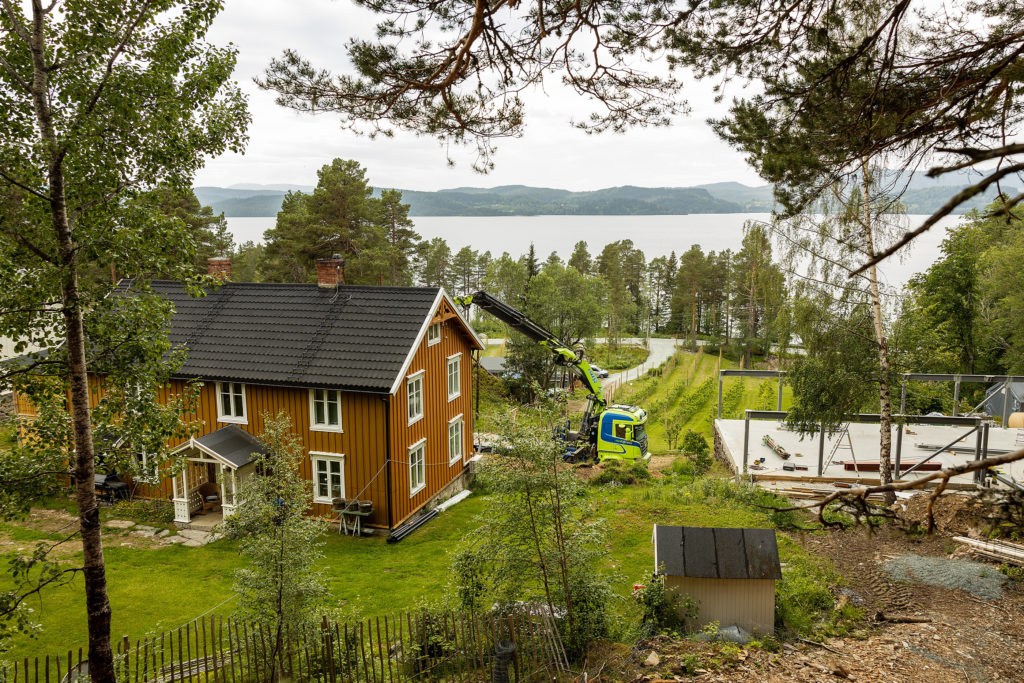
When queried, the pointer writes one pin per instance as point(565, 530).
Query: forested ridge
point(522, 200)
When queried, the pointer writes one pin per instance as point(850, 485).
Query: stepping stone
point(174, 539)
point(118, 523)
point(162, 533)
point(191, 543)
point(144, 531)
point(195, 535)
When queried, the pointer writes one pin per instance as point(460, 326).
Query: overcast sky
point(288, 147)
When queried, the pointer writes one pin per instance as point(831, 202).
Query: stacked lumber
point(779, 450)
point(993, 549)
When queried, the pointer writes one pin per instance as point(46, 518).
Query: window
point(433, 334)
point(231, 402)
point(417, 467)
point(454, 376)
point(328, 476)
point(414, 396)
point(455, 440)
point(325, 410)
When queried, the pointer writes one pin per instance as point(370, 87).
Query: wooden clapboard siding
point(437, 411)
point(361, 442)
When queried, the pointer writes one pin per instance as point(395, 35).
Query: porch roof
point(231, 444)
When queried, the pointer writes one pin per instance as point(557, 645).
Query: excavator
point(606, 432)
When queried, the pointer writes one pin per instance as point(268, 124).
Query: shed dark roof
point(232, 444)
point(354, 337)
point(716, 553)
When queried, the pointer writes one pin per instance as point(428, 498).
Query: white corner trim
point(416, 344)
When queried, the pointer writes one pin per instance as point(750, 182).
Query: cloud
point(287, 147)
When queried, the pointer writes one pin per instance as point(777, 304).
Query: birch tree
point(102, 100)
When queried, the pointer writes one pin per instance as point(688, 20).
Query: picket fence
point(420, 647)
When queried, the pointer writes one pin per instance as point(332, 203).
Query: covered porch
point(206, 489)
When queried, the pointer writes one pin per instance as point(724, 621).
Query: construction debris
point(779, 450)
point(1002, 551)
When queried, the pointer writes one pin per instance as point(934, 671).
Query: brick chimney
point(330, 272)
point(219, 267)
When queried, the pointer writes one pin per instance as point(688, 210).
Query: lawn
point(158, 589)
point(155, 590)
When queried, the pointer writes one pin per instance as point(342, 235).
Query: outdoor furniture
point(210, 495)
point(349, 515)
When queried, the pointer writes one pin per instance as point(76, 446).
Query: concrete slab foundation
point(918, 442)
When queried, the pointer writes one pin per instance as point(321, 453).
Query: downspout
point(387, 455)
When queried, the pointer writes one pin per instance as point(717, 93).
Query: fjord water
point(654, 235)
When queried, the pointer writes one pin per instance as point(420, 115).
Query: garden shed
point(729, 573)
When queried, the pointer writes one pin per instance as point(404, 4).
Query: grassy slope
point(685, 373)
point(159, 589)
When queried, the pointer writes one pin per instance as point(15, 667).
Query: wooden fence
point(434, 647)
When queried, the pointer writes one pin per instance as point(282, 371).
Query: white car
point(599, 372)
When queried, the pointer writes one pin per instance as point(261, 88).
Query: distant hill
point(923, 196)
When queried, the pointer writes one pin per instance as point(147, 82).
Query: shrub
point(146, 510)
point(695, 446)
point(622, 472)
point(660, 609)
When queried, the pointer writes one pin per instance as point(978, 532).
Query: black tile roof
point(716, 553)
point(353, 337)
point(233, 444)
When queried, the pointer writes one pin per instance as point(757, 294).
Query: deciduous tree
point(102, 101)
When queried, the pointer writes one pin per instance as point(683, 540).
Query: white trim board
point(441, 296)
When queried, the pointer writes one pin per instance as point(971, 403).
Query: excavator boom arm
point(520, 322)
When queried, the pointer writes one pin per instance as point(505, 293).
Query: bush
point(146, 510)
point(696, 447)
point(622, 472)
point(661, 610)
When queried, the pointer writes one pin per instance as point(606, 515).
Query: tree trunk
point(751, 312)
point(884, 367)
point(693, 320)
point(101, 657)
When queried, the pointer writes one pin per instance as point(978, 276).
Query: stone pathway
point(192, 538)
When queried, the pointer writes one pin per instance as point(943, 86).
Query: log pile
point(993, 549)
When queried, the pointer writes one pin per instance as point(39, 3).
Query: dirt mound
point(953, 513)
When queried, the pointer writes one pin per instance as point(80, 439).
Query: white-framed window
point(414, 396)
point(325, 410)
point(454, 376)
point(433, 334)
point(455, 426)
point(231, 402)
point(417, 467)
point(328, 476)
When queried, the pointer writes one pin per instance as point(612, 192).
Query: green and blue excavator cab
point(615, 432)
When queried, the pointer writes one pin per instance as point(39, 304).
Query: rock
point(174, 539)
point(118, 523)
point(191, 543)
point(162, 533)
point(652, 659)
point(143, 531)
point(195, 535)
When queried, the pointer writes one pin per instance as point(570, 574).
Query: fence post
point(746, 438)
point(821, 449)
